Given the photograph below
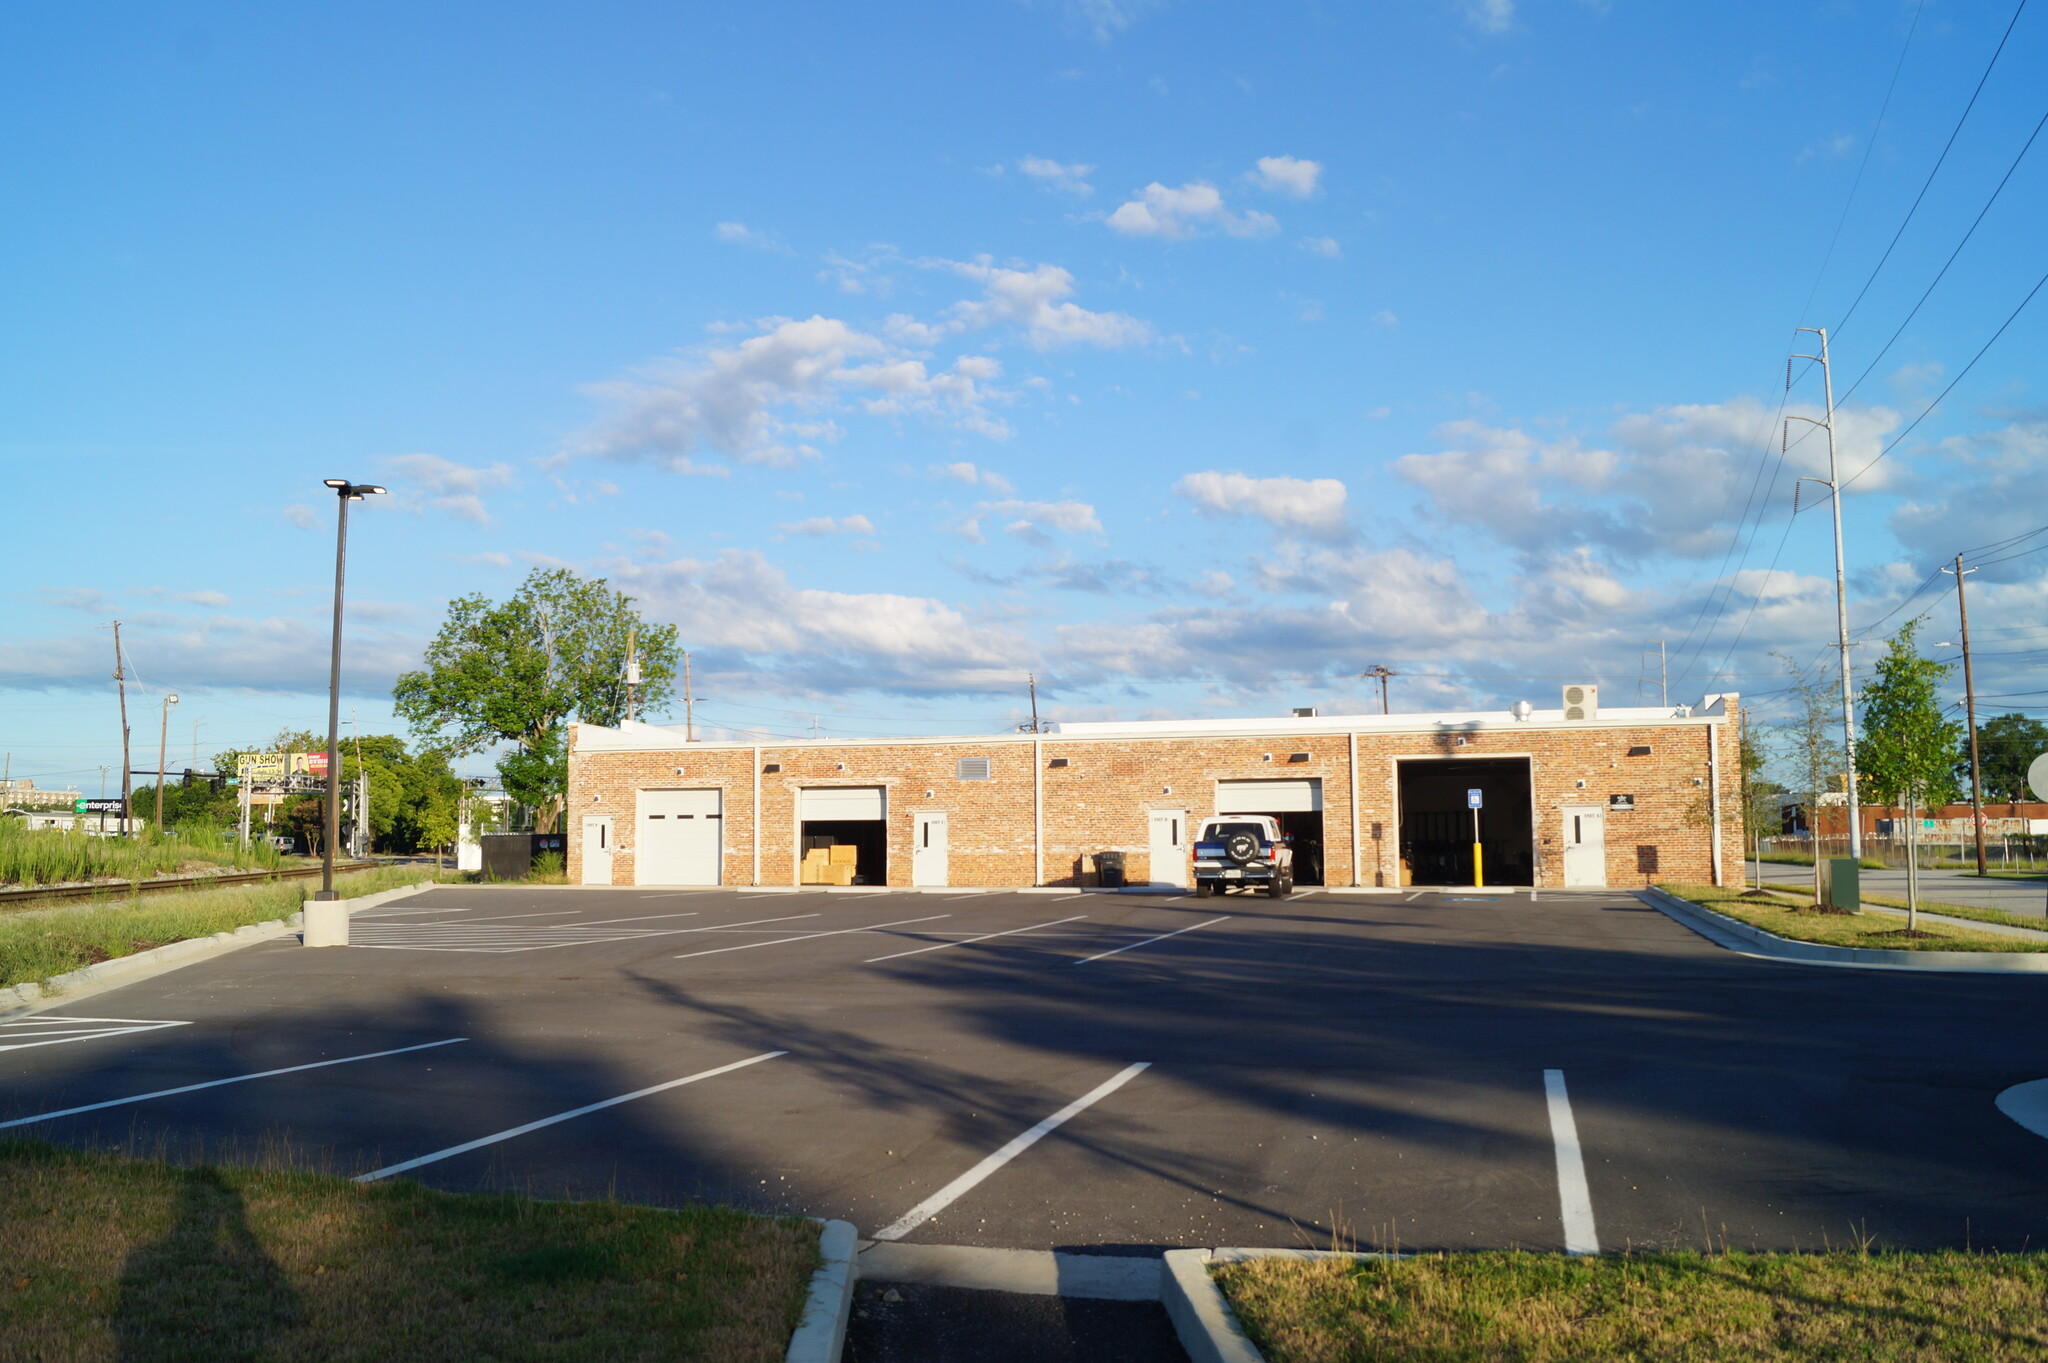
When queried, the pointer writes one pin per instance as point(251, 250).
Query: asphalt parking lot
point(1085, 1071)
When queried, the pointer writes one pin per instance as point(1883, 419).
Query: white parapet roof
point(633, 736)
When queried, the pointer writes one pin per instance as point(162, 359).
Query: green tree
point(1908, 749)
point(1762, 806)
point(1810, 744)
point(2005, 747)
point(515, 672)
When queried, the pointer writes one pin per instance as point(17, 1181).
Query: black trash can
point(1109, 870)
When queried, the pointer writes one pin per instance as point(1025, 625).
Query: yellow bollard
point(1478, 874)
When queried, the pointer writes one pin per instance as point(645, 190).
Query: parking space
point(1086, 1070)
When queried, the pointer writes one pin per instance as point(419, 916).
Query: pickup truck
point(1244, 850)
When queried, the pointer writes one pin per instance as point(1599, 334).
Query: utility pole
point(121, 681)
point(1031, 679)
point(163, 735)
point(632, 669)
point(1382, 672)
point(1833, 483)
point(344, 493)
point(1970, 708)
point(689, 702)
point(1663, 674)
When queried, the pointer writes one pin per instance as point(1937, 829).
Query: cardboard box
point(839, 873)
point(845, 854)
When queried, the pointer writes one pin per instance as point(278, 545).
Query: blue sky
point(1192, 356)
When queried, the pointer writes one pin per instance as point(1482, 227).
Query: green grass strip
point(1536, 1307)
point(1874, 932)
point(108, 1257)
point(36, 944)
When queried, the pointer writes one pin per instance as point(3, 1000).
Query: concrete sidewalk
point(2029, 897)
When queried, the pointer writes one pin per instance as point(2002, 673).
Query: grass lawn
point(1512, 1305)
point(1876, 931)
point(38, 943)
point(1972, 912)
point(111, 1258)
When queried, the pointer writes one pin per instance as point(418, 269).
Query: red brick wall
point(1101, 800)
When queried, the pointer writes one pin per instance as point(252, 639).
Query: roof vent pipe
point(1523, 709)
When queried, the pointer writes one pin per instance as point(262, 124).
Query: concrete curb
point(1208, 1328)
point(86, 981)
point(1738, 936)
point(821, 1330)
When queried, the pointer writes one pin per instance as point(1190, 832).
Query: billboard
point(255, 768)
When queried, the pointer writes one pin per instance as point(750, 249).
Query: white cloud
point(1031, 521)
point(744, 616)
point(1672, 483)
point(1176, 214)
point(422, 480)
point(1067, 179)
point(974, 476)
point(1989, 491)
point(1326, 247)
point(203, 598)
point(819, 526)
point(739, 234)
point(1312, 507)
point(1490, 16)
point(301, 515)
point(1287, 175)
point(1386, 319)
point(1036, 302)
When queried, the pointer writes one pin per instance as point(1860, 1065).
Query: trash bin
point(1109, 870)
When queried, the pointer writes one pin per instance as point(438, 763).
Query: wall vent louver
point(1582, 702)
point(973, 769)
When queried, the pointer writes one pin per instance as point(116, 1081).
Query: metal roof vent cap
point(1522, 709)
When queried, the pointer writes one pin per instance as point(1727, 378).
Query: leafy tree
point(1762, 811)
point(2005, 747)
point(1908, 749)
point(515, 672)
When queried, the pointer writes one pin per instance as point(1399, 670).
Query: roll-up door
point(679, 838)
point(840, 802)
point(1269, 797)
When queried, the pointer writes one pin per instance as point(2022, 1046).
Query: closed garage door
point(840, 802)
point(679, 838)
point(1269, 797)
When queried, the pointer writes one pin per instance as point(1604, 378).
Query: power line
point(1929, 181)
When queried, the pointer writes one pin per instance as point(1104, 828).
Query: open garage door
point(679, 837)
point(1297, 803)
point(1436, 820)
point(848, 816)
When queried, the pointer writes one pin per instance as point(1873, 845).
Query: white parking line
point(1574, 1199)
point(216, 1083)
point(507, 1135)
point(969, 941)
point(812, 936)
point(946, 1196)
point(52, 1030)
point(1148, 941)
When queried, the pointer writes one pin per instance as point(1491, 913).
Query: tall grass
point(52, 856)
point(36, 944)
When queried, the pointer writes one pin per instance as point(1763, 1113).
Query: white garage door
point(679, 838)
point(841, 802)
point(1269, 797)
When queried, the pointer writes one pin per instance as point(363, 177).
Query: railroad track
point(11, 898)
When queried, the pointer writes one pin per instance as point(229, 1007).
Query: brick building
point(1621, 798)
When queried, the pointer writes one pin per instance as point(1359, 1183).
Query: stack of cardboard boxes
point(830, 865)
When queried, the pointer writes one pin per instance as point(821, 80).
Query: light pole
point(163, 735)
point(344, 493)
point(1833, 482)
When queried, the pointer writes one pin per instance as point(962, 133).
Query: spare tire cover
point(1241, 848)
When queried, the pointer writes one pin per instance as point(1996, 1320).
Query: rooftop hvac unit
point(1304, 712)
point(1582, 702)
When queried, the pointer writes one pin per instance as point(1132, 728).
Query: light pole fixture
point(344, 493)
point(163, 735)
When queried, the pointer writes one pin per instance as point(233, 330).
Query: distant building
point(22, 794)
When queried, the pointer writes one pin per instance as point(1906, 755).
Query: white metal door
point(1169, 847)
point(928, 853)
point(1585, 845)
point(678, 838)
point(597, 850)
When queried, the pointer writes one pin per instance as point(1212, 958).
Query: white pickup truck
point(1246, 851)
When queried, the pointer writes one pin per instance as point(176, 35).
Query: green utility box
point(1841, 885)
